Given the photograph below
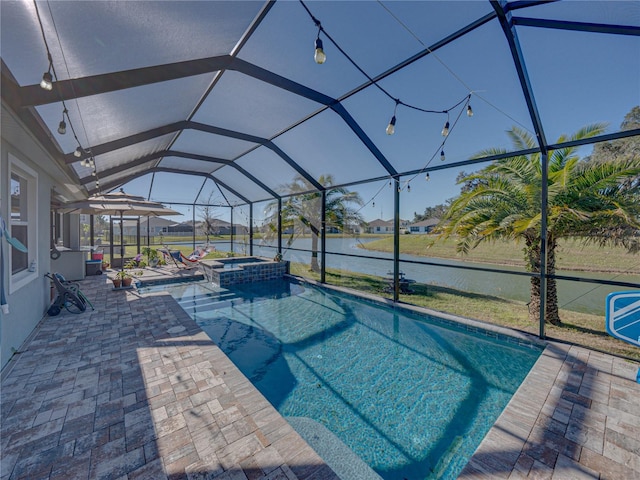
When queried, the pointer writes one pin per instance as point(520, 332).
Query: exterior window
point(23, 222)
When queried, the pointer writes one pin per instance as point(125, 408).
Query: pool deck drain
point(120, 393)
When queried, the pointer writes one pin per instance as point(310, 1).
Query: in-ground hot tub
point(234, 270)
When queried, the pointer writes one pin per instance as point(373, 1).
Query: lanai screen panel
point(244, 104)
point(593, 78)
point(324, 145)
point(124, 156)
point(478, 65)
point(210, 194)
point(170, 188)
point(189, 164)
point(237, 181)
point(101, 37)
point(270, 168)
point(114, 115)
point(210, 144)
point(620, 12)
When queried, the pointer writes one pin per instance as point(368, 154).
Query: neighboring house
point(384, 226)
point(222, 227)
point(424, 226)
point(185, 227)
point(379, 226)
point(156, 226)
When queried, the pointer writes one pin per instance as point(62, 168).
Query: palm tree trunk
point(552, 313)
point(533, 263)
point(533, 258)
point(315, 266)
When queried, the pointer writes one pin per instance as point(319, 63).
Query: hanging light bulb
point(389, 182)
point(373, 204)
point(78, 152)
point(469, 111)
point(84, 162)
point(94, 173)
point(391, 128)
point(442, 157)
point(47, 80)
point(408, 188)
point(445, 129)
point(427, 178)
point(319, 55)
point(62, 127)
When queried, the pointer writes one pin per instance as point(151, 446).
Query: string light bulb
point(47, 81)
point(391, 128)
point(78, 152)
point(319, 56)
point(408, 188)
point(442, 157)
point(469, 111)
point(427, 178)
point(373, 204)
point(62, 127)
point(445, 129)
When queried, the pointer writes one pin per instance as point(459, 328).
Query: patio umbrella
point(118, 203)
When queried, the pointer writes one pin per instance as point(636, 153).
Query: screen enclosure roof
point(222, 102)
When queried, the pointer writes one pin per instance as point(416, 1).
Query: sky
point(577, 78)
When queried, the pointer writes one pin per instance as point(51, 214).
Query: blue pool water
point(411, 396)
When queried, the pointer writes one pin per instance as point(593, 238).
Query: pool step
point(220, 300)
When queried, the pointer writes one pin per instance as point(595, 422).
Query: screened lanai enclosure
point(458, 155)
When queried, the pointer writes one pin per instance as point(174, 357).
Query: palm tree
point(302, 212)
point(591, 201)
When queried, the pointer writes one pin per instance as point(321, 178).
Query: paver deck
point(135, 390)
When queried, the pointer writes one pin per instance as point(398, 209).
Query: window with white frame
point(23, 223)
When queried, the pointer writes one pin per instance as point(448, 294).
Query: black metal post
point(280, 225)
point(138, 235)
point(323, 237)
point(231, 230)
point(92, 240)
point(396, 240)
point(251, 229)
point(193, 222)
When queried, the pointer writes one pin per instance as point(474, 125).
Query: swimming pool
point(411, 396)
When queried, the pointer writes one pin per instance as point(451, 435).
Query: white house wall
point(29, 302)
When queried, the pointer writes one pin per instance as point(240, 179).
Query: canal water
point(573, 295)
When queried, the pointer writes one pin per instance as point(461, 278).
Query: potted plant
point(122, 279)
point(153, 256)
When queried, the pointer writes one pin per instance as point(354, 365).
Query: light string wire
point(453, 74)
point(55, 76)
point(465, 100)
point(361, 70)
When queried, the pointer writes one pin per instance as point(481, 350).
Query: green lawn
point(570, 255)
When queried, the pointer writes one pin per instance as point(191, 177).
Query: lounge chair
point(182, 261)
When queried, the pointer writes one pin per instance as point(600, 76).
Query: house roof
point(429, 222)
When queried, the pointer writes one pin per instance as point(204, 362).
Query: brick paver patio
point(135, 390)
